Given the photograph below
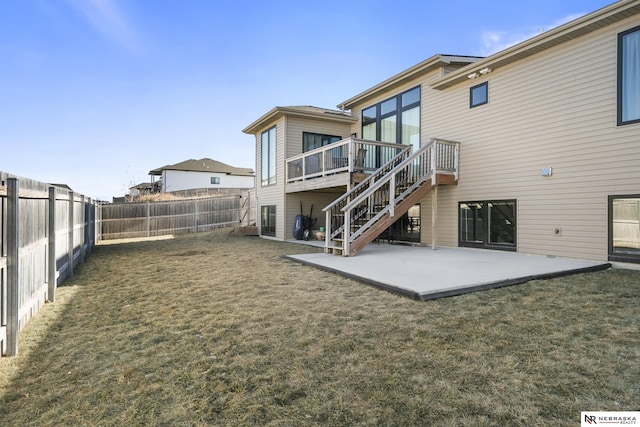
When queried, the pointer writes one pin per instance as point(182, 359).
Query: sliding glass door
point(488, 224)
point(624, 228)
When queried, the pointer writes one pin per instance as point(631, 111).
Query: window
point(215, 180)
point(268, 220)
point(488, 224)
point(629, 76)
point(395, 120)
point(624, 228)
point(268, 166)
point(479, 95)
point(311, 141)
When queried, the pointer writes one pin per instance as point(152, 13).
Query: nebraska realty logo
point(610, 418)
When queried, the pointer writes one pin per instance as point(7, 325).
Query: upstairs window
point(215, 180)
point(311, 141)
point(479, 95)
point(268, 165)
point(629, 76)
point(395, 120)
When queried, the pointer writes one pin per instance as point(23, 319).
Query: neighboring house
point(534, 149)
point(203, 173)
point(145, 188)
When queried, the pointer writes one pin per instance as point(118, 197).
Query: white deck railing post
point(327, 231)
point(456, 160)
point(392, 195)
point(434, 152)
point(346, 233)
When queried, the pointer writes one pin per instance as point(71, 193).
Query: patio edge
point(456, 291)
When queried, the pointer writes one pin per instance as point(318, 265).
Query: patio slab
point(422, 273)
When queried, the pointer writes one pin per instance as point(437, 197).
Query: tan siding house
point(546, 162)
point(290, 123)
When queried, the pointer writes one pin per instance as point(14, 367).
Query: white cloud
point(495, 41)
point(107, 19)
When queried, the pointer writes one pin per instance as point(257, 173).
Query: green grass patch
point(209, 329)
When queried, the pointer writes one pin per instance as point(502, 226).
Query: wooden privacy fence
point(148, 219)
point(45, 231)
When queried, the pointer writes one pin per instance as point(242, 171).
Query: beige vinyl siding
point(556, 109)
point(272, 194)
point(319, 201)
point(295, 127)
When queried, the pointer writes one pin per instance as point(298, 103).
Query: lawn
point(209, 329)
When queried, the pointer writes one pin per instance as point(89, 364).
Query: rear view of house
point(534, 149)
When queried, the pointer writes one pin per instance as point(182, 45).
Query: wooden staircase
point(361, 215)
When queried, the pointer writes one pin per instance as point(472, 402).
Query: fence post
point(195, 218)
point(13, 276)
point(148, 218)
point(83, 230)
point(51, 260)
point(70, 224)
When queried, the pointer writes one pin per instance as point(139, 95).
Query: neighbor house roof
point(420, 69)
point(600, 18)
point(305, 111)
point(147, 185)
point(204, 165)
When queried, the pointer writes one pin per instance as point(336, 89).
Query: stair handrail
point(435, 165)
point(379, 172)
point(330, 210)
point(387, 177)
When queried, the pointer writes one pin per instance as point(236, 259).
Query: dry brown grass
point(208, 329)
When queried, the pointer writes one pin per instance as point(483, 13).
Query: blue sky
point(96, 93)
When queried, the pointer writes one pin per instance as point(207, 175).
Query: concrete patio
point(422, 273)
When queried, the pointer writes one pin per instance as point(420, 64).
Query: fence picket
point(145, 219)
point(35, 218)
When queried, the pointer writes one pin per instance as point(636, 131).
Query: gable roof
point(204, 165)
point(417, 70)
point(305, 111)
point(578, 27)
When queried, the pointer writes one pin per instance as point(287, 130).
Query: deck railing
point(347, 155)
point(385, 189)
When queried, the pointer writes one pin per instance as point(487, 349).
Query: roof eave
point(277, 112)
point(569, 31)
point(423, 67)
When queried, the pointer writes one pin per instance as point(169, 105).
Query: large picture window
point(629, 76)
point(268, 165)
point(395, 120)
point(488, 224)
point(624, 228)
point(268, 220)
point(311, 141)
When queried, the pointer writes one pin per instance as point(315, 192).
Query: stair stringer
point(400, 209)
